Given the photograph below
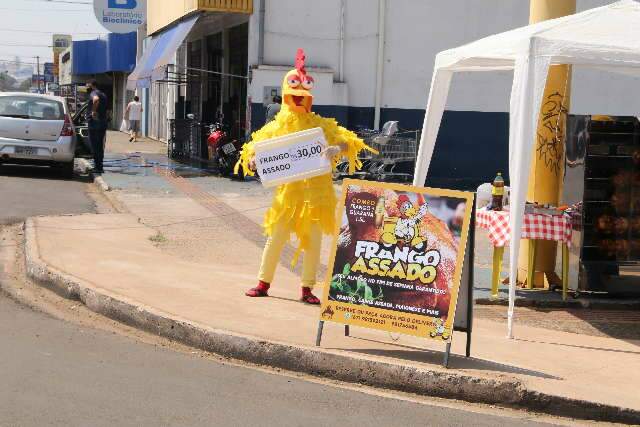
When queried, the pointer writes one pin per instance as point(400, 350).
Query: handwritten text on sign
point(292, 158)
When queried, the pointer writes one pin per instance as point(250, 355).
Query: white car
point(36, 129)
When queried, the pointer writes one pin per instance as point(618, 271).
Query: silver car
point(36, 129)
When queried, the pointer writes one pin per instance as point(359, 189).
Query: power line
point(63, 1)
point(17, 62)
point(43, 32)
point(40, 10)
point(23, 56)
point(2, 61)
point(12, 56)
point(25, 45)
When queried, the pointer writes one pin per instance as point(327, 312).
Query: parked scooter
point(223, 151)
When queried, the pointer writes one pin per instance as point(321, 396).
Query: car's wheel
point(67, 169)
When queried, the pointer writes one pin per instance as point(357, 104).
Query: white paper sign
point(121, 16)
point(292, 157)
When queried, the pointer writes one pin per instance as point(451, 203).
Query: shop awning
point(160, 52)
point(112, 53)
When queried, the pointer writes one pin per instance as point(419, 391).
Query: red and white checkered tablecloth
point(534, 226)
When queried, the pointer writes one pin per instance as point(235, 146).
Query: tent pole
point(382, 10)
point(529, 79)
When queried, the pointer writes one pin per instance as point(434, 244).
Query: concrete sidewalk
point(145, 180)
point(114, 256)
point(178, 261)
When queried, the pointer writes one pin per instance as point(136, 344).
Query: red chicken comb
point(403, 198)
point(300, 62)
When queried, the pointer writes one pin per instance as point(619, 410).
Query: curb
point(315, 361)
point(97, 179)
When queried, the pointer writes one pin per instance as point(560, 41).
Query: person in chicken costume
point(307, 207)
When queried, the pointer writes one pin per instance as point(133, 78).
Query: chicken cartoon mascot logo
point(306, 208)
point(404, 228)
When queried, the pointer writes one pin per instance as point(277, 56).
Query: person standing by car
point(97, 123)
point(134, 113)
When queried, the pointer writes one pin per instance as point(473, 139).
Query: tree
point(7, 82)
point(25, 85)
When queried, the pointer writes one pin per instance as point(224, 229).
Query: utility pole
point(547, 166)
point(38, 72)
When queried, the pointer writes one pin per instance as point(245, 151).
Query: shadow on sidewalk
point(41, 172)
point(415, 354)
point(585, 347)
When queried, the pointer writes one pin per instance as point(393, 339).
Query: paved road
point(60, 373)
point(29, 191)
point(55, 373)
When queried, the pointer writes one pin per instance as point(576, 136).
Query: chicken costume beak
point(298, 101)
point(296, 87)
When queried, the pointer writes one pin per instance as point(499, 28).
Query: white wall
point(361, 48)
point(416, 30)
point(325, 90)
point(597, 92)
point(315, 27)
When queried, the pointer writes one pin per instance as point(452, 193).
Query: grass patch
point(158, 238)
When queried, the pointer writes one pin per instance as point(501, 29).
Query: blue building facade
point(108, 60)
point(115, 53)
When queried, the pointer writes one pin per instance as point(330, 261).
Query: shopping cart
point(395, 161)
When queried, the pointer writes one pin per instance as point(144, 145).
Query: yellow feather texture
point(302, 203)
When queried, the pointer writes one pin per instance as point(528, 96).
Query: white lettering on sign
point(292, 157)
point(121, 16)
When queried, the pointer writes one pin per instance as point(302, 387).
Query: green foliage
point(7, 82)
point(339, 284)
point(347, 269)
point(25, 85)
point(158, 238)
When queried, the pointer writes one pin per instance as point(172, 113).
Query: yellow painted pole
point(531, 264)
point(565, 271)
point(547, 167)
point(498, 252)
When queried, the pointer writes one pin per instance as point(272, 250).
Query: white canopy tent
point(606, 37)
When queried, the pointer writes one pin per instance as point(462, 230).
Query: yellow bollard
point(547, 166)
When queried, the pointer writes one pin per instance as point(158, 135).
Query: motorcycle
point(223, 151)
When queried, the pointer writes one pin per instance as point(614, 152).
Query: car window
point(26, 107)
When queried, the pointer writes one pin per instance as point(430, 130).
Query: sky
point(28, 25)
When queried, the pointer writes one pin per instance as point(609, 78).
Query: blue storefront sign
point(48, 72)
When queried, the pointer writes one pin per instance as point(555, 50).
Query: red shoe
point(308, 297)
point(259, 291)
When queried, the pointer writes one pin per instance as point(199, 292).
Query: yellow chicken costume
point(307, 207)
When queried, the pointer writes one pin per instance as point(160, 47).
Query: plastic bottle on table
point(497, 193)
